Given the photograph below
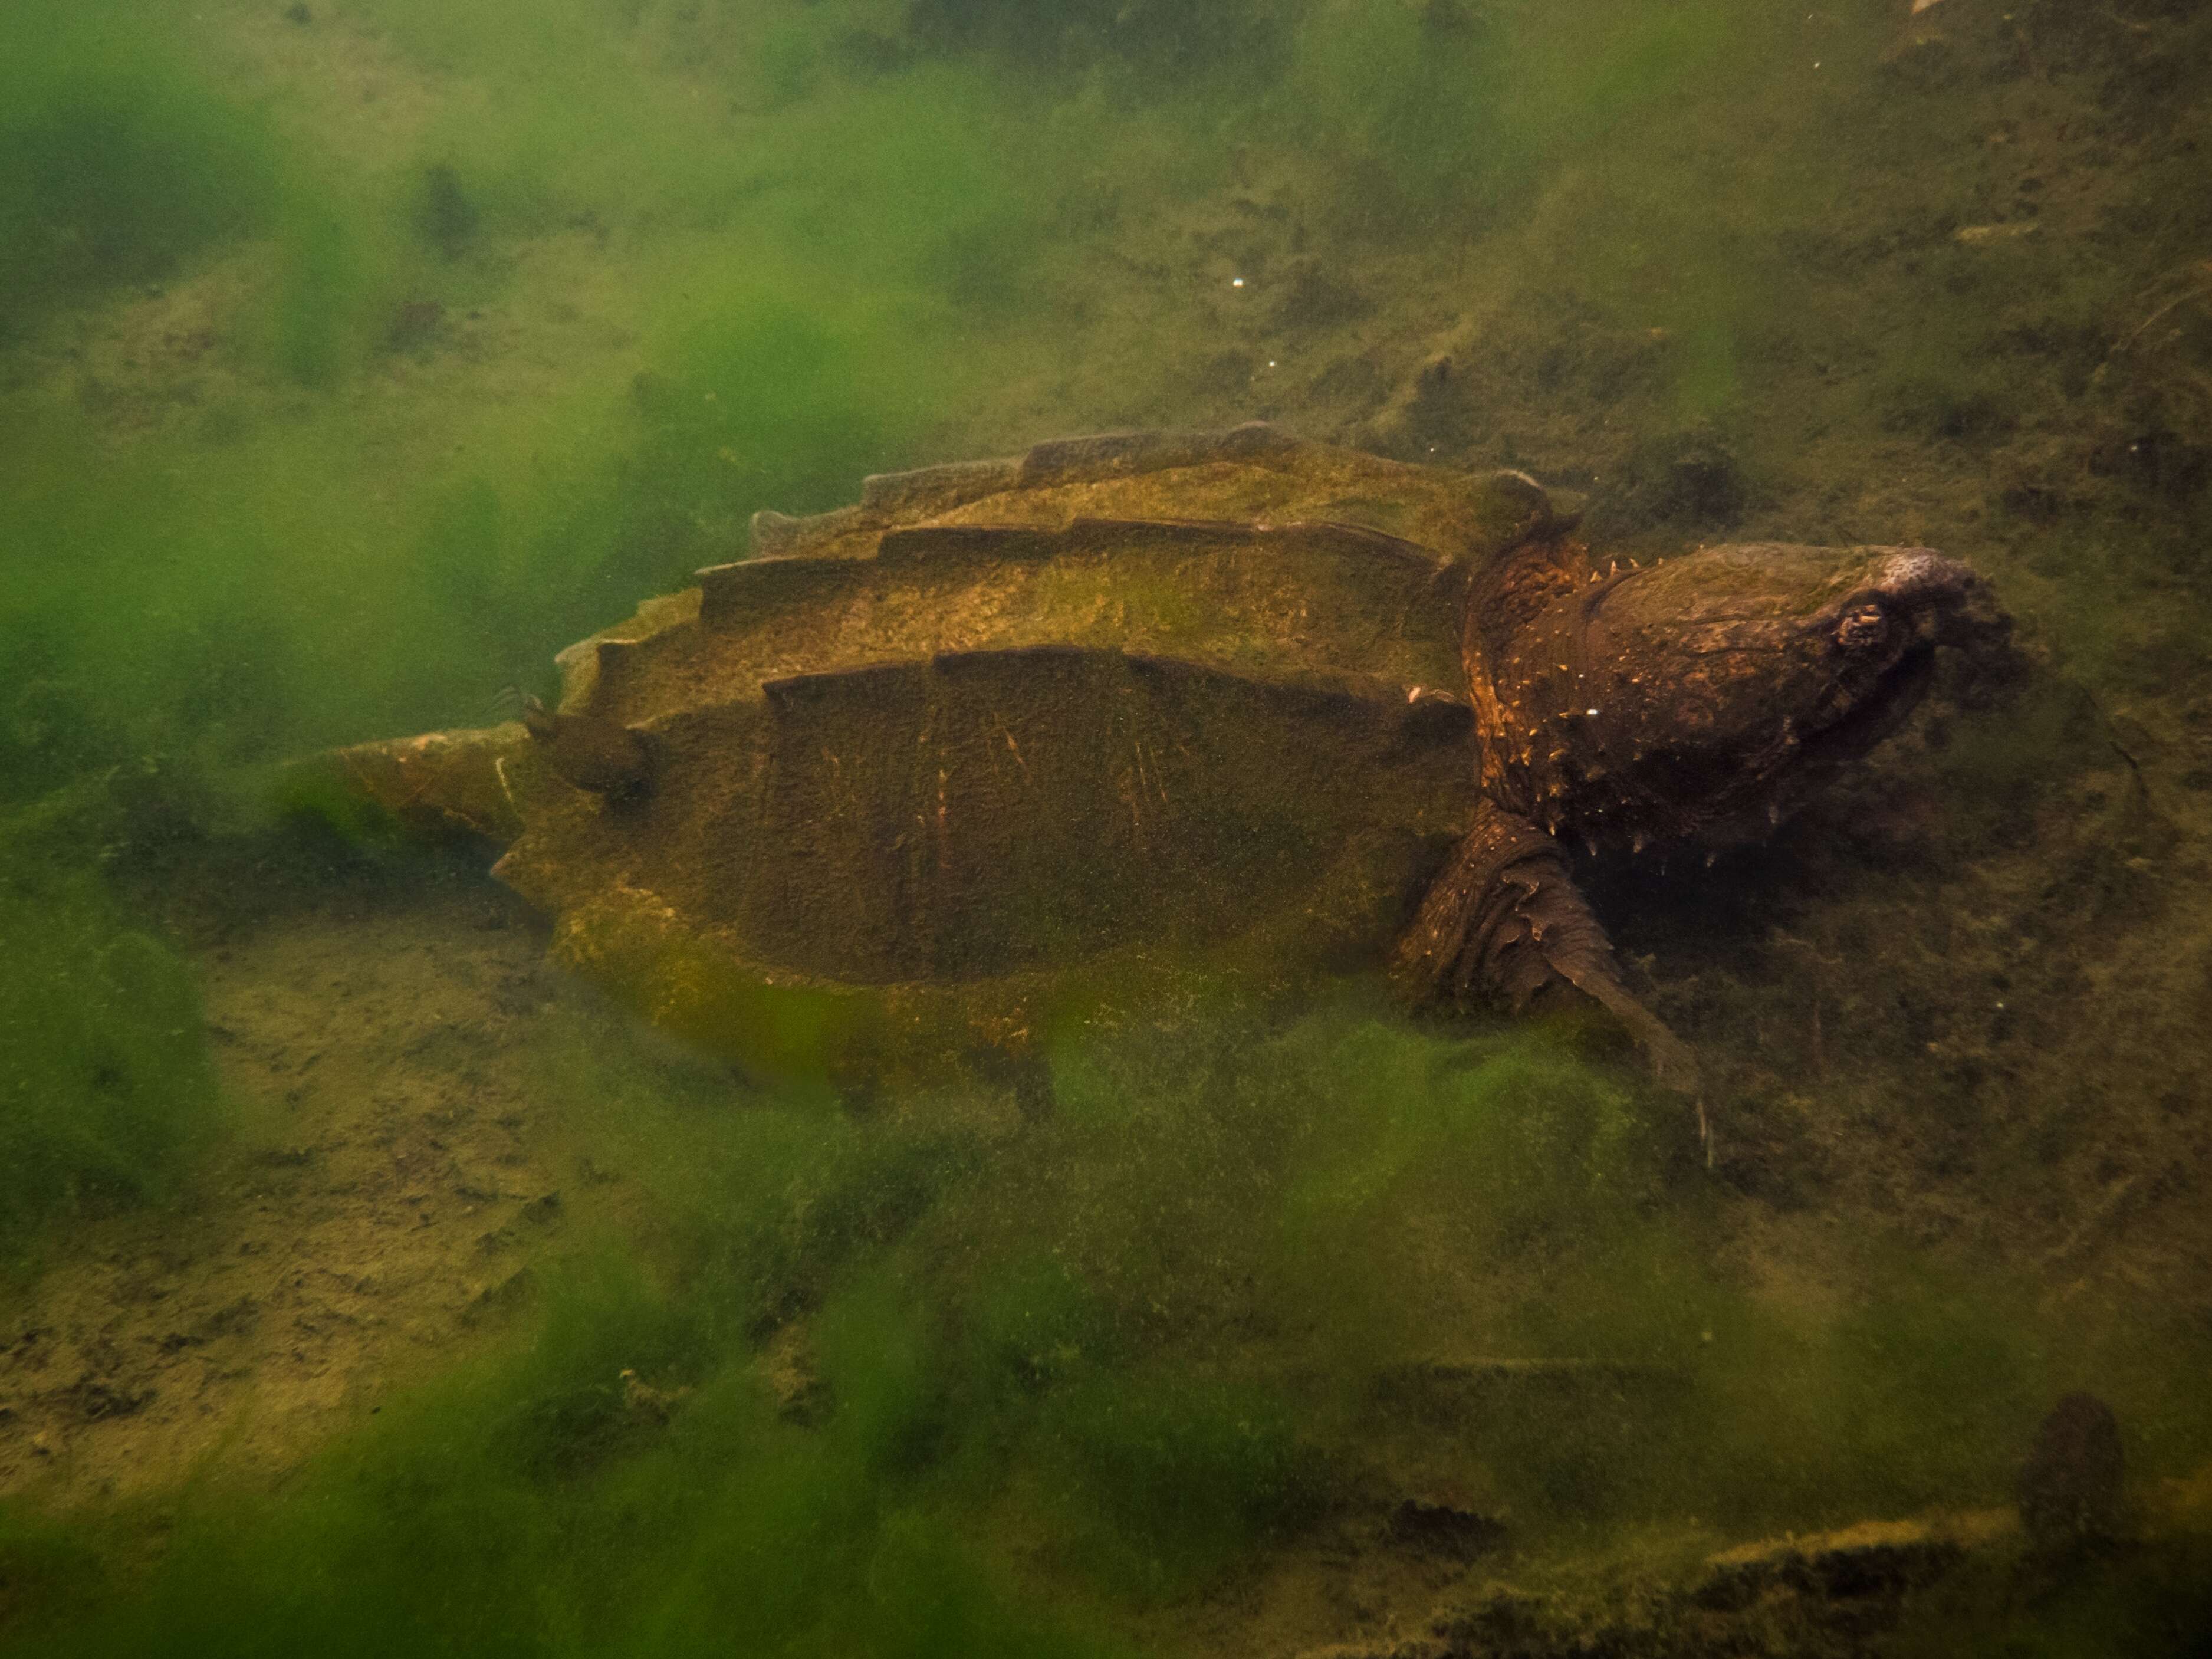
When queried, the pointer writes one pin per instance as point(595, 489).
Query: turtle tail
point(441, 785)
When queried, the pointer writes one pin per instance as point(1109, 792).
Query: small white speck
point(1589, 711)
point(1271, 362)
point(1236, 281)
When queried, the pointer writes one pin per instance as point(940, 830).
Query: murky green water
point(374, 1281)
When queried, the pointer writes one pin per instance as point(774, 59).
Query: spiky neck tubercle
point(1546, 754)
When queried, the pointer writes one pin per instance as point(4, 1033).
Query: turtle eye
point(1863, 628)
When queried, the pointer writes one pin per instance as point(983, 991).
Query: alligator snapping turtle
point(954, 763)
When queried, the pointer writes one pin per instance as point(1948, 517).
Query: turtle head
point(1706, 697)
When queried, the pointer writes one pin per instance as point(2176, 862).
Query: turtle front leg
point(1503, 923)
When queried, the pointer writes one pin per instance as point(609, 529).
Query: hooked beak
point(1940, 603)
point(1946, 602)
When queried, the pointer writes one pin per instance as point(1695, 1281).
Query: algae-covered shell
point(1009, 738)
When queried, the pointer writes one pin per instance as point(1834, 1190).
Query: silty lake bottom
point(373, 1282)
